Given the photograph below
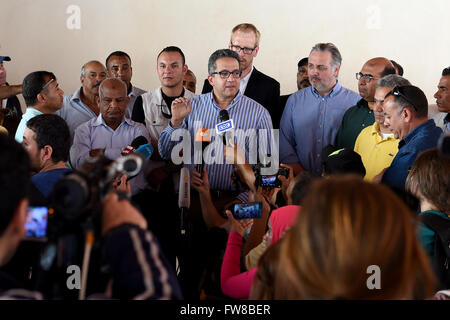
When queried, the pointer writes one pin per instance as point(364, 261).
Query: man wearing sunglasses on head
point(42, 94)
point(406, 115)
point(254, 84)
point(361, 116)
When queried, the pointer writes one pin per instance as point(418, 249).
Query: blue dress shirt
point(74, 111)
point(422, 138)
point(246, 114)
point(310, 122)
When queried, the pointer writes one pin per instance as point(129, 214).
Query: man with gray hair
point(206, 111)
point(81, 106)
point(376, 144)
point(312, 116)
point(110, 132)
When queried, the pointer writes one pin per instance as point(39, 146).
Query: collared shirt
point(246, 115)
point(74, 111)
point(447, 123)
point(30, 113)
point(376, 153)
point(310, 122)
point(355, 119)
point(95, 134)
point(422, 138)
point(244, 81)
point(134, 93)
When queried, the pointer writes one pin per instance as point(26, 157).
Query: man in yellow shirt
point(376, 144)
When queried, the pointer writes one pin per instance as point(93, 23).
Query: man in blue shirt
point(42, 94)
point(203, 112)
point(81, 106)
point(406, 110)
point(110, 132)
point(47, 141)
point(313, 115)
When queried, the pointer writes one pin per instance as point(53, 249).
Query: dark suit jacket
point(264, 90)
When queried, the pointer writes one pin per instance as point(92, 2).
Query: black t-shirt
point(138, 114)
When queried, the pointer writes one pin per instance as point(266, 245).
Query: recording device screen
point(36, 223)
point(270, 181)
point(248, 210)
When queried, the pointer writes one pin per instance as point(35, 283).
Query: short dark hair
point(14, 178)
point(387, 71)
point(446, 72)
point(398, 67)
point(172, 49)
point(219, 54)
point(51, 130)
point(302, 62)
point(414, 98)
point(32, 85)
point(302, 183)
point(118, 54)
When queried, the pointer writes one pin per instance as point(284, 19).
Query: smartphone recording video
point(270, 181)
point(250, 210)
point(36, 223)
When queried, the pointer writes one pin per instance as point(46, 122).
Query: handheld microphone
point(134, 162)
point(202, 140)
point(136, 143)
point(225, 126)
point(184, 196)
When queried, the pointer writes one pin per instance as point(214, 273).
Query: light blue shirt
point(246, 114)
point(30, 113)
point(74, 111)
point(95, 134)
point(310, 122)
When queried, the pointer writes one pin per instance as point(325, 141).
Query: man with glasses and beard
point(81, 106)
point(405, 113)
point(42, 94)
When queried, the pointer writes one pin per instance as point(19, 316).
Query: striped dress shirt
point(253, 132)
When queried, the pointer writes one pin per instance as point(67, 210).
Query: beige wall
point(35, 34)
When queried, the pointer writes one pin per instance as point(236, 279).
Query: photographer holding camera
point(124, 233)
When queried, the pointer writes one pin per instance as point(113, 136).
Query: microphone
point(135, 162)
point(225, 126)
point(202, 140)
point(136, 143)
point(184, 196)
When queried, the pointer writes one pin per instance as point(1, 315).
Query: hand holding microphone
point(202, 140)
point(225, 127)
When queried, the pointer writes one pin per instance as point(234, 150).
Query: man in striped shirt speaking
point(252, 123)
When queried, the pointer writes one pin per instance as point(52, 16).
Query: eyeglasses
point(46, 85)
point(225, 74)
point(366, 77)
point(397, 91)
point(239, 49)
point(165, 110)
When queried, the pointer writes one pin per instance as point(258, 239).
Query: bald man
point(360, 116)
point(110, 132)
point(81, 106)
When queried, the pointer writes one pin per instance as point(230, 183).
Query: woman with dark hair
point(429, 181)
